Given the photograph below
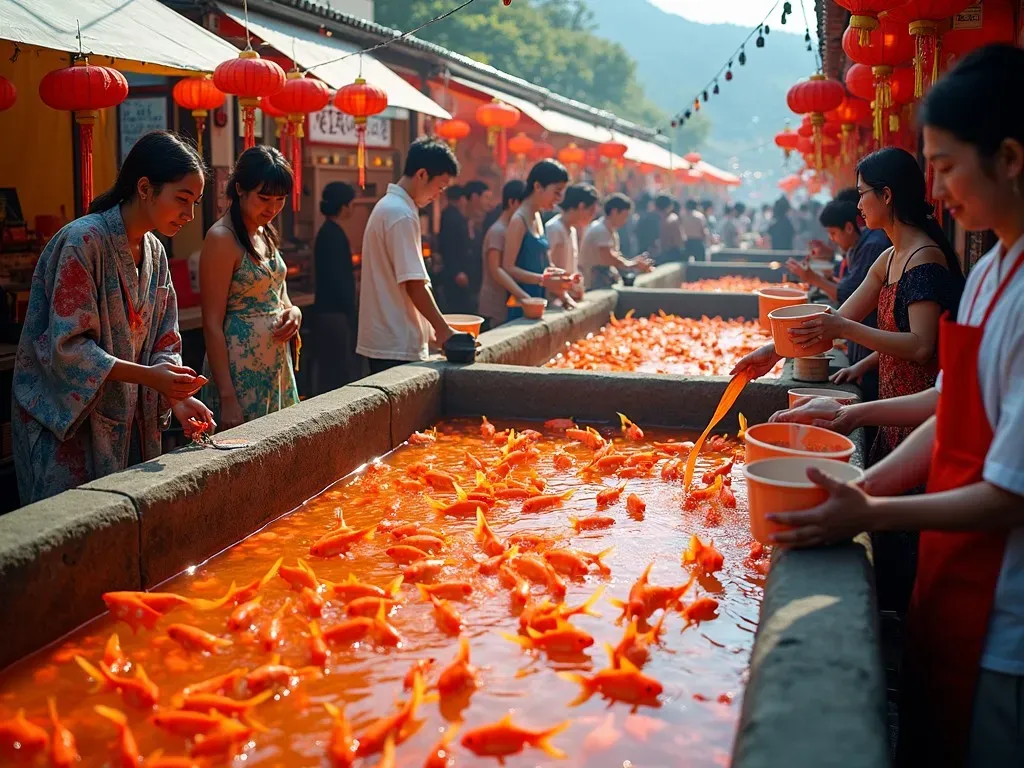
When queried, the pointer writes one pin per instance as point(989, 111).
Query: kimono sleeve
point(167, 348)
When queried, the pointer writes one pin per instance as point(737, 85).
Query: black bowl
point(460, 348)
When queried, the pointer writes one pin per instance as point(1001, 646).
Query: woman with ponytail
point(248, 320)
point(98, 369)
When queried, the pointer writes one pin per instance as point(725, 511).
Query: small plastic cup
point(778, 440)
point(784, 319)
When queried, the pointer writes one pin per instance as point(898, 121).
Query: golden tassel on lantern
point(926, 44)
point(883, 99)
point(844, 147)
point(817, 121)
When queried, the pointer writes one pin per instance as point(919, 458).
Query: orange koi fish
point(312, 602)
point(194, 639)
point(138, 690)
point(275, 674)
point(473, 462)
point(630, 430)
point(185, 723)
point(489, 542)
point(368, 606)
point(559, 425)
point(439, 481)
point(724, 470)
point(635, 645)
point(545, 616)
point(575, 563)
point(635, 506)
point(592, 523)
point(588, 437)
point(341, 750)
point(352, 589)
point(246, 593)
point(318, 650)
point(675, 449)
point(609, 496)
point(562, 460)
point(384, 632)
point(214, 702)
point(490, 567)
point(518, 587)
point(241, 617)
point(537, 570)
point(460, 676)
point(441, 753)
point(423, 570)
point(217, 684)
point(530, 540)
point(20, 735)
point(339, 542)
point(404, 554)
point(419, 667)
point(423, 438)
point(487, 430)
point(503, 738)
point(704, 556)
point(299, 577)
point(448, 590)
point(113, 657)
point(564, 638)
point(625, 683)
point(398, 726)
point(701, 609)
point(127, 750)
point(428, 543)
point(227, 739)
point(270, 633)
point(63, 748)
point(447, 618)
point(541, 503)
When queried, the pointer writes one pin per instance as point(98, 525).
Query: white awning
point(308, 48)
point(133, 30)
point(717, 175)
point(643, 151)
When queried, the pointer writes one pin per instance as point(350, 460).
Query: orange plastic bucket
point(465, 323)
point(781, 485)
point(770, 299)
point(803, 394)
point(770, 441)
point(790, 317)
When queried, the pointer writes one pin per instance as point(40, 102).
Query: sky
point(746, 13)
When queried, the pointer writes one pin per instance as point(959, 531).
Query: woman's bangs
point(277, 182)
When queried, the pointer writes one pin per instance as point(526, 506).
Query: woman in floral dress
point(248, 319)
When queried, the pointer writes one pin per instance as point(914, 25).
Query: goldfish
point(423, 438)
point(426, 542)
point(341, 749)
point(228, 738)
point(131, 610)
point(610, 462)
point(518, 587)
point(675, 448)
point(487, 429)
point(186, 723)
point(448, 590)
point(575, 563)
point(384, 632)
point(63, 747)
point(217, 684)
point(460, 676)
point(352, 589)
point(672, 470)
point(592, 523)
point(419, 667)
point(704, 556)
point(489, 542)
point(659, 597)
point(541, 503)
point(275, 673)
point(503, 738)
point(401, 530)
point(644, 459)
point(562, 460)
point(625, 683)
point(514, 493)
point(530, 540)
point(441, 752)
point(609, 496)
point(127, 750)
point(564, 638)
point(646, 598)
point(299, 577)
point(703, 494)
point(348, 631)
point(725, 470)
point(113, 657)
point(439, 481)
point(463, 507)
point(559, 425)
point(270, 631)
point(214, 702)
point(422, 570)
point(515, 458)
point(410, 485)
point(246, 593)
point(538, 571)
point(545, 616)
point(20, 735)
point(318, 650)
point(368, 606)
point(490, 567)
point(473, 462)
point(397, 726)
point(241, 617)
point(447, 618)
point(339, 542)
point(588, 437)
point(159, 760)
point(195, 639)
point(635, 645)
point(727, 497)
point(630, 430)
point(701, 609)
point(312, 602)
point(404, 554)
point(138, 690)
point(635, 506)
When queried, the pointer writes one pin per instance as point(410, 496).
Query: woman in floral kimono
point(98, 369)
point(248, 319)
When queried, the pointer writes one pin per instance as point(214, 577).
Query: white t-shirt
point(563, 245)
point(1001, 376)
point(390, 326)
point(597, 236)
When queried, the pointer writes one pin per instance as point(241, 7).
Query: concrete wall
point(696, 304)
point(700, 270)
point(754, 255)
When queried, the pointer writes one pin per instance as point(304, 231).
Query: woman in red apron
point(964, 689)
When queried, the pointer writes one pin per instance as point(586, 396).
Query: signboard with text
point(332, 126)
point(137, 117)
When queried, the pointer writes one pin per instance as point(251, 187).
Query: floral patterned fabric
point(89, 307)
point(261, 367)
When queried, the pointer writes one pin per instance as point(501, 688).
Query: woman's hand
point(822, 412)
point(556, 280)
point(175, 382)
point(230, 412)
point(757, 363)
point(852, 374)
point(288, 325)
point(191, 408)
point(847, 512)
point(828, 325)
point(802, 272)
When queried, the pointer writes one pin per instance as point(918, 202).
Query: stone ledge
point(664, 276)
point(194, 502)
point(57, 557)
point(414, 394)
point(695, 304)
point(705, 271)
point(754, 255)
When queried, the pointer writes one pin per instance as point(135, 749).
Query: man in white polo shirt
point(397, 309)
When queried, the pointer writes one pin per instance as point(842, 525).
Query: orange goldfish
point(609, 462)
point(348, 631)
point(352, 588)
point(518, 587)
point(401, 530)
point(675, 448)
point(428, 543)
point(439, 481)
point(487, 429)
point(562, 460)
point(703, 494)
point(473, 462)
point(725, 470)
point(538, 571)
point(609, 496)
point(592, 523)
point(318, 650)
point(214, 702)
point(635, 645)
point(299, 577)
point(398, 726)
point(515, 458)
point(447, 618)
point(131, 610)
point(419, 667)
point(228, 738)
point(490, 567)
point(574, 563)
point(275, 673)
point(21, 736)
point(194, 639)
point(384, 632)
point(672, 470)
point(63, 748)
point(410, 485)
point(530, 540)
point(635, 506)
point(342, 748)
point(503, 738)
point(138, 690)
point(448, 590)
point(270, 631)
point(441, 753)
point(559, 425)
point(463, 507)
point(545, 616)
point(541, 503)
point(422, 570)
point(404, 554)
point(701, 609)
point(217, 684)
point(625, 683)
point(339, 542)
point(460, 676)
point(246, 593)
point(564, 638)
point(312, 602)
point(423, 438)
point(241, 617)
point(514, 493)
point(159, 760)
point(112, 654)
point(489, 542)
point(368, 606)
point(588, 437)
point(127, 750)
point(705, 556)
point(631, 430)
point(186, 723)
point(727, 497)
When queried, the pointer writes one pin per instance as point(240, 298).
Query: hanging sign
point(137, 117)
point(332, 126)
point(969, 18)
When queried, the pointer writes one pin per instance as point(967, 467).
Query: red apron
point(957, 572)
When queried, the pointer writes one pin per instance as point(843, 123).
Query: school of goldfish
point(735, 284)
point(664, 344)
point(433, 610)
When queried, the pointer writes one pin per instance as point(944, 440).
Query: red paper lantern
point(612, 150)
point(572, 156)
point(805, 129)
point(84, 89)
point(790, 184)
point(786, 141)
point(8, 94)
point(521, 145)
point(453, 131)
point(201, 96)
point(300, 96)
point(362, 101)
point(542, 150)
point(967, 35)
point(889, 45)
point(692, 157)
point(816, 96)
point(280, 123)
point(647, 168)
point(248, 77)
point(860, 81)
point(497, 117)
point(864, 16)
point(854, 111)
point(922, 18)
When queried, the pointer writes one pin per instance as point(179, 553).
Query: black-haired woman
point(964, 680)
point(248, 319)
point(336, 315)
point(98, 368)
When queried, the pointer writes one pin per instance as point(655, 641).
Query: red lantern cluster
point(542, 150)
point(497, 117)
point(249, 77)
point(786, 141)
point(453, 131)
point(8, 94)
point(199, 95)
point(84, 89)
point(362, 101)
point(922, 19)
point(815, 97)
point(300, 96)
point(864, 14)
point(572, 156)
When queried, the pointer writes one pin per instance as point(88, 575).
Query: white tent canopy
point(308, 48)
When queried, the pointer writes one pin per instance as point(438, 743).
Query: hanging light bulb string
point(740, 55)
point(396, 38)
point(807, 39)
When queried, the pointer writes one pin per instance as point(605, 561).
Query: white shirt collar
point(395, 189)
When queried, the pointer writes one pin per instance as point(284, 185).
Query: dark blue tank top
point(533, 257)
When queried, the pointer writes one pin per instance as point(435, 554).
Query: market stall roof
point(717, 175)
point(125, 30)
point(308, 49)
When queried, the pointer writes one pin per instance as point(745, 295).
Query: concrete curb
point(695, 304)
point(704, 271)
point(754, 255)
point(413, 393)
point(664, 276)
